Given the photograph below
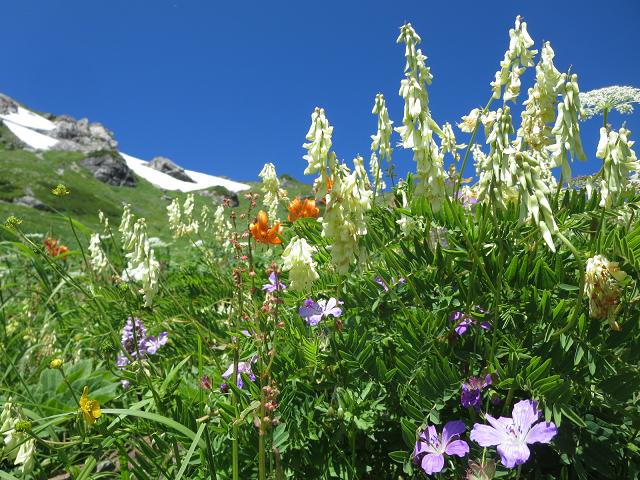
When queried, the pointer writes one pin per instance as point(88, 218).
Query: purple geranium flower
point(313, 312)
point(431, 448)
point(470, 396)
point(274, 284)
point(464, 321)
point(512, 435)
point(243, 367)
point(153, 343)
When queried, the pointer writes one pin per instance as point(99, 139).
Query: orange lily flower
point(261, 231)
point(304, 208)
point(55, 248)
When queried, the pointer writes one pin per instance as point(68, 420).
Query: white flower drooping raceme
point(319, 155)
point(142, 265)
point(534, 194)
point(567, 129)
point(217, 226)
point(516, 60)
point(181, 219)
point(619, 159)
point(344, 221)
point(602, 279)
point(601, 100)
point(539, 111)
point(298, 261)
point(417, 125)
point(273, 194)
point(496, 171)
point(126, 224)
point(380, 142)
point(98, 259)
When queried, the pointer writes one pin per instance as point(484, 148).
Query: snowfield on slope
point(27, 126)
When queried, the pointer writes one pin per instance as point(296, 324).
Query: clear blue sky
point(224, 87)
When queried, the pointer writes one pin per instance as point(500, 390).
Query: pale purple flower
point(243, 367)
point(512, 435)
point(134, 334)
point(380, 281)
point(470, 395)
point(464, 321)
point(153, 343)
point(431, 447)
point(135, 343)
point(313, 312)
point(274, 284)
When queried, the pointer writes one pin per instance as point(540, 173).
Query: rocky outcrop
point(220, 194)
point(164, 165)
point(81, 136)
point(7, 105)
point(109, 167)
point(30, 200)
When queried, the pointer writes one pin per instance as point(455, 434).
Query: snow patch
point(26, 118)
point(167, 182)
point(31, 137)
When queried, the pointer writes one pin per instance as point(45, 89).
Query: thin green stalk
point(471, 143)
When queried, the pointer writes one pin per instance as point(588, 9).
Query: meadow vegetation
point(370, 328)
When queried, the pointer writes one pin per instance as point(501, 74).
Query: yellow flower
point(60, 190)
point(89, 408)
point(56, 363)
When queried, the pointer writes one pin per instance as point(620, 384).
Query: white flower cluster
point(534, 194)
point(219, 227)
point(496, 171)
point(516, 60)
point(539, 111)
point(618, 98)
point(602, 279)
point(619, 159)
point(319, 156)
point(469, 121)
point(298, 261)
point(344, 220)
point(17, 446)
point(417, 125)
point(181, 219)
point(567, 129)
point(98, 258)
point(142, 265)
point(273, 194)
point(380, 142)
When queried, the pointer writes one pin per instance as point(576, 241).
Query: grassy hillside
point(40, 172)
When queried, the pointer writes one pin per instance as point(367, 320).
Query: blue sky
point(223, 87)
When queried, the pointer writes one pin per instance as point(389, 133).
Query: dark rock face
point(165, 165)
point(219, 195)
point(110, 167)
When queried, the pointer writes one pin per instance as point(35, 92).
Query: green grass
point(43, 171)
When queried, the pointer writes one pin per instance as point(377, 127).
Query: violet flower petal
point(458, 447)
point(432, 463)
point(513, 454)
point(542, 432)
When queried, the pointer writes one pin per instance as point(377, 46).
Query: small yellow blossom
point(90, 408)
point(12, 221)
point(56, 363)
point(60, 190)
